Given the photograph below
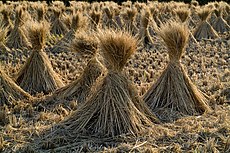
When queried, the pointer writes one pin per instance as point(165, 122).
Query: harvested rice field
point(102, 77)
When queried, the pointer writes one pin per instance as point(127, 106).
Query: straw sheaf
point(80, 89)
point(204, 13)
point(78, 21)
point(116, 47)
point(131, 13)
point(19, 16)
point(37, 34)
point(6, 11)
point(41, 10)
point(37, 75)
point(109, 12)
point(145, 19)
point(84, 44)
point(183, 14)
point(175, 35)
point(96, 17)
point(153, 10)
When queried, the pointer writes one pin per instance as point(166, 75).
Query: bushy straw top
point(183, 13)
point(84, 44)
point(37, 34)
point(175, 36)
point(116, 47)
point(204, 13)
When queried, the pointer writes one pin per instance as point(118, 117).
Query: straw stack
point(85, 45)
point(174, 95)
point(114, 108)
point(219, 24)
point(17, 38)
point(204, 29)
point(37, 74)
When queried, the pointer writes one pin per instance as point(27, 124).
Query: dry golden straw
point(85, 45)
point(183, 14)
point(204, 29)
point(174, 95)
point(6, 21)
point(79, 22)
point(144, 30)
point(130, 17)
point(3, 33)
point(219, 24)
point(95, 19)
point(17, 37)
point(37, 74)
point(10, 92)
point(114, 109)
point(58, 27)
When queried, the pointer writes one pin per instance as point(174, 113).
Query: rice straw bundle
point(9, 90)
point(95, 19)
point(37, 75)
point(79, 22)
point(85, 45)
point(58, 27)
point(110, 15)
point(117, 18)
point(17, 37)
point(155, 15)
point(67, 20)
point(41, 11)
point(144, 30)
point(114, 108)
point(183, 14)
point(219, 24)
point(174, 95)
point(130, 19)
point(6, 22)
point(204, 29)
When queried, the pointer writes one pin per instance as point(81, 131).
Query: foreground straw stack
point(174, 95)
point(114, 109)
point(37, 75)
